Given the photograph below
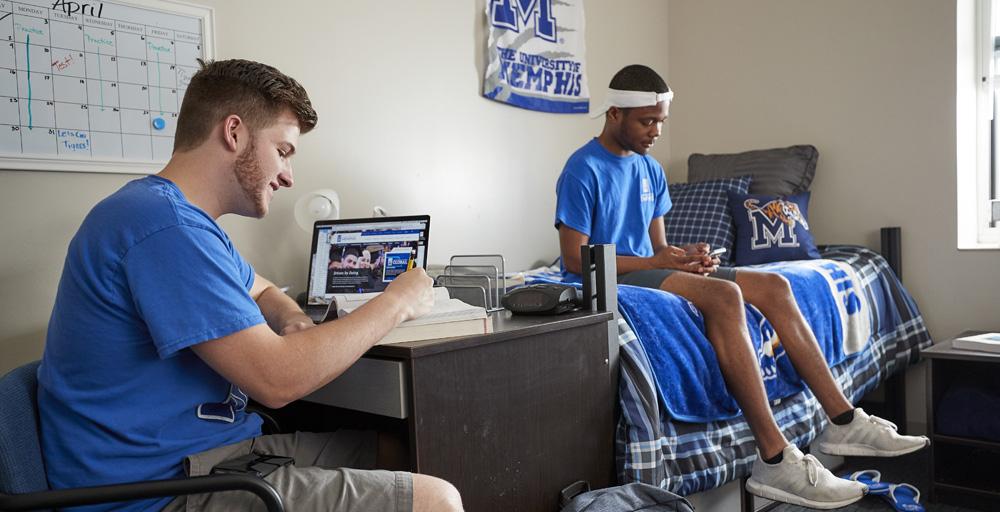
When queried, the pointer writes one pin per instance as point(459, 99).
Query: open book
point(987, 342)
point(449, 317)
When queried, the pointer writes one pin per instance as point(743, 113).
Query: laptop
point(361, 256)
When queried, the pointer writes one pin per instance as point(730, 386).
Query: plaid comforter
point(686, 458)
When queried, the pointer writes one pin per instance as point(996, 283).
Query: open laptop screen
point(364, 255)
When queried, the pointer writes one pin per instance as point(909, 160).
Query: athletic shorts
point(320, 479)
point(654, 278)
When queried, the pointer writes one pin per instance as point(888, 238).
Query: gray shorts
point(319, 480)
point(654, 278)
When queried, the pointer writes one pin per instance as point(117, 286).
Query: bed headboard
point(891, 249)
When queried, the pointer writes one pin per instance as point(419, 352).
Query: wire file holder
point(477, 279)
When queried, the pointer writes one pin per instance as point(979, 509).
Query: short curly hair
point(256, 92)
point(636, 77)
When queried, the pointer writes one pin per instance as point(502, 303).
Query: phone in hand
point(714, 253)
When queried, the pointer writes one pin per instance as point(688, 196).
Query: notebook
point(361, 256)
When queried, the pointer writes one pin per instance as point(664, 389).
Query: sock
point(844, 419)
point(776, 459)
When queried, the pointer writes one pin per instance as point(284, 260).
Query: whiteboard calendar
point(95, 86)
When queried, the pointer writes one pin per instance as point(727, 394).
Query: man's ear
point(614, 114)
point(233, 130)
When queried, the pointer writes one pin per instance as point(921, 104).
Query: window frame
point(977, 123)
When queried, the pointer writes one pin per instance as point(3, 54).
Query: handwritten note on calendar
point(95, 82)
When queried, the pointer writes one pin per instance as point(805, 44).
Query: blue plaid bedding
point(686, 458)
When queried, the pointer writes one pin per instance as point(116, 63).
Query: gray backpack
point(624, 498)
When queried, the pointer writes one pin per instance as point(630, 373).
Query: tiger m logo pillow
point(771, 228)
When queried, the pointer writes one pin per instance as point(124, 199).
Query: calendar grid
point(103, 100)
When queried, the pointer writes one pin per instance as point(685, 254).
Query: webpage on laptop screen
point(364, 257)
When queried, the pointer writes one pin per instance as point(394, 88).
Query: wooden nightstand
point(963, 469)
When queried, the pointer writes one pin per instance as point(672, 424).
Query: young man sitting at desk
point(160, 330)
point(611, 191)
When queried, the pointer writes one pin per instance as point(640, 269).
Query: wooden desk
point(509, 418)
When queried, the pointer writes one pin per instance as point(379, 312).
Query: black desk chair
point(23, 485)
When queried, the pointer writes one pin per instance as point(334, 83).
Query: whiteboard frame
point(78, 164)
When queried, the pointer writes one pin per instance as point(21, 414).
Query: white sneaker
point(802, 480)
point(868, 436)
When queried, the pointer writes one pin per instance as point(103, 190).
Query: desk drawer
point(377, 386)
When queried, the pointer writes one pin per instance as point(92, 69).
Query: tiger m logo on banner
point(536, 55)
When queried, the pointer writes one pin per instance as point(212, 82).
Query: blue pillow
point(772, 228)
point(700, 213)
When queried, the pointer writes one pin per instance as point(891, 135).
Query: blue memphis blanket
point(684, 366)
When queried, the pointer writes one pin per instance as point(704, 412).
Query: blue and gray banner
point(536, 55)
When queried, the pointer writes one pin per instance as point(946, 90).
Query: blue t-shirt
point(147, 276)
point(612, 199)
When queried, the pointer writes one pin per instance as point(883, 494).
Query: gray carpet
point(912, 469)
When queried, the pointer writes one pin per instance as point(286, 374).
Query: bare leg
point(726, 327)
point(772, 295)
point(431, 494)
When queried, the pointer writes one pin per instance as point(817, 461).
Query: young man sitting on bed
point(611, 191)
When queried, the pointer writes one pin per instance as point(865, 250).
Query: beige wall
point(872, 85)
point(402, 125)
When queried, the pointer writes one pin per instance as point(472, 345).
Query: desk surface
point(945, 350)
point(506, 326)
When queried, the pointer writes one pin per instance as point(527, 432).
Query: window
point(990, 77)
point(978, 124)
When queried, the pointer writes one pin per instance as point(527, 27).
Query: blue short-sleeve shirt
point(611, 199)
point(121, 398)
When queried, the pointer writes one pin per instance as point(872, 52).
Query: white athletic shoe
point(868, 436)
point(802, 480)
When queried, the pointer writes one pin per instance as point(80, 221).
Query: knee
point(431, 494)
point(775, 288)
point(723, 298)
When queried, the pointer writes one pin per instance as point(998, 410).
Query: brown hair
point(256, 92)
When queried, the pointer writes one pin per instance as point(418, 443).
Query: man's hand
point(708, 262)
point(675, 258)
point(414, 291)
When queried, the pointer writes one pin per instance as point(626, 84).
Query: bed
point(684, 448)
point(653, 446)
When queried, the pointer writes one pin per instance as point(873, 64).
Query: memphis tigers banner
point(536, 55)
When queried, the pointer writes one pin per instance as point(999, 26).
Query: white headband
point(632, 99)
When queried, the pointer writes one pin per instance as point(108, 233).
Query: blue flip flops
point(872, 478)
point(904, 498)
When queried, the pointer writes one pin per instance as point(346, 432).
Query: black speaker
point(892, 250)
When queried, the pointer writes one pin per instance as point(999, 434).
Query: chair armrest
point(143, 490)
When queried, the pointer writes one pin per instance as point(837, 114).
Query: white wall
point(402, 125)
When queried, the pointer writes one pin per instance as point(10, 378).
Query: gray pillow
point(779, 171)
